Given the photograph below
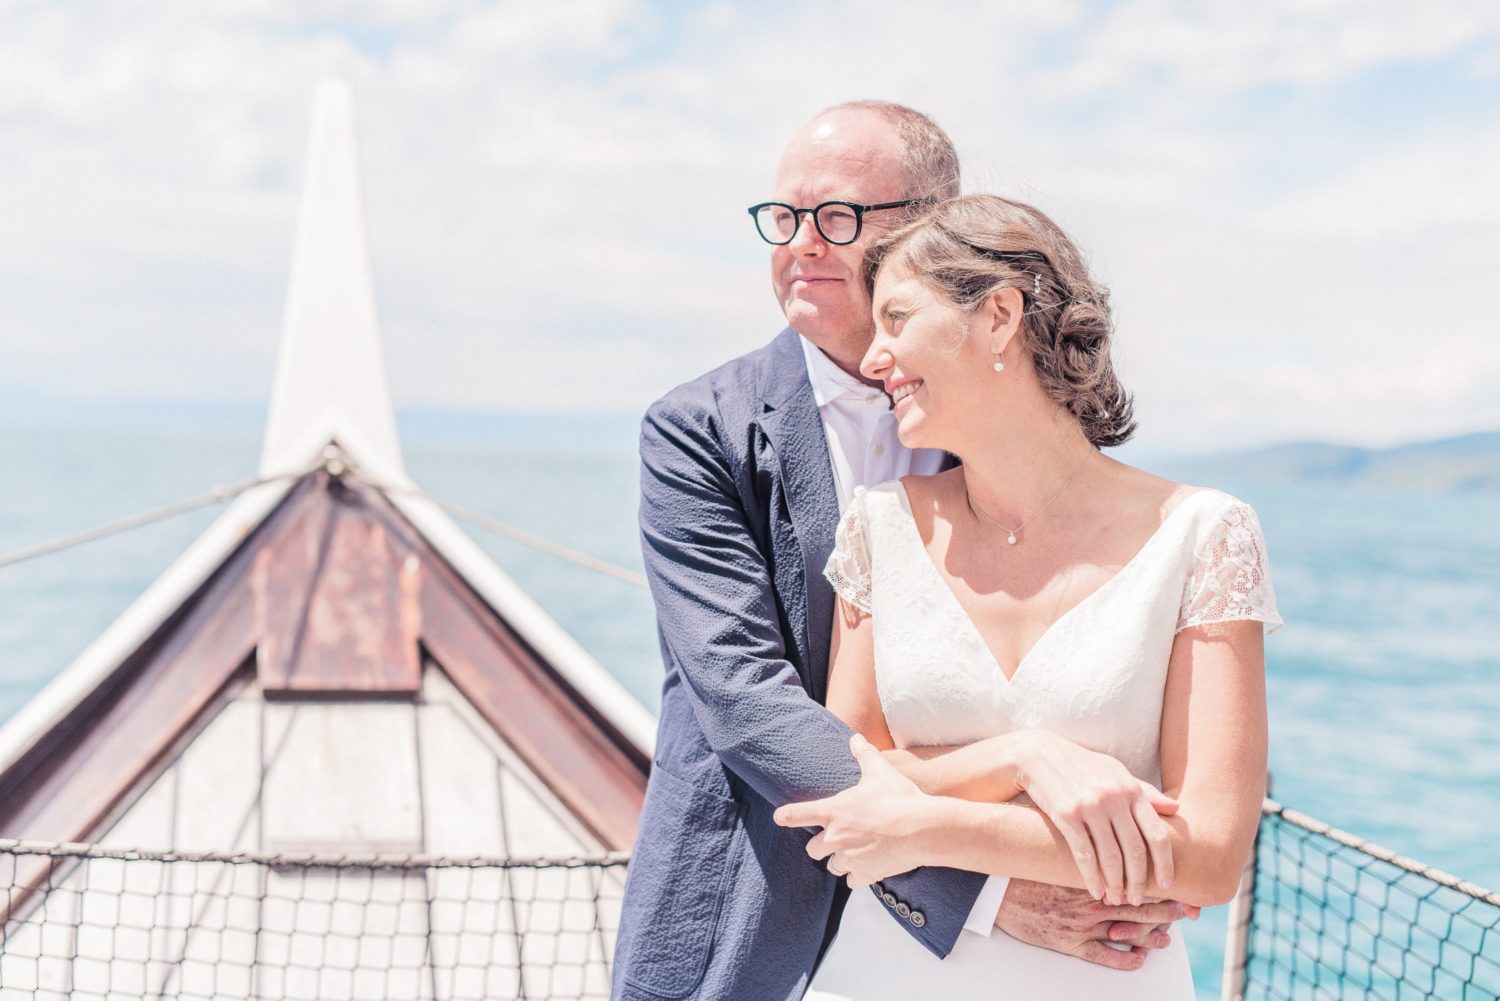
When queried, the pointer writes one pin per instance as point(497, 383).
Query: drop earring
point(999, 365)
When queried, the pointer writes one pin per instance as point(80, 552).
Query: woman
point(1061, 655)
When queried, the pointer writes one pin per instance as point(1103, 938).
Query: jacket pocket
point(676, 886)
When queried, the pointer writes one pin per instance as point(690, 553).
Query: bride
point(1052, 660)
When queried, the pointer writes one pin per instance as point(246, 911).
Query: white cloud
point(1449, 183)
point(1211, 49)
point(555, 191)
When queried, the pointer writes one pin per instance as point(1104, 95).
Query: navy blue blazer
point(738, 514)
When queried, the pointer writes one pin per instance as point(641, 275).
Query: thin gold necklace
point(1012, 533)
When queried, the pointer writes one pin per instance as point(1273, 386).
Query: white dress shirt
point(864, 450)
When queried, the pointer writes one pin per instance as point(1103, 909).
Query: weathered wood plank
point(335, 603)
point(343, 778)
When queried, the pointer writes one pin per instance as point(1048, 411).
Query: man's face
point(852, 156)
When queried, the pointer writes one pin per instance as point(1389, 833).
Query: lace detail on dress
point(1231, 579)
point(848, 568)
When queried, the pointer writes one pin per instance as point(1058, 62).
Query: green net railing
point(1333, 917)
point(87, 922)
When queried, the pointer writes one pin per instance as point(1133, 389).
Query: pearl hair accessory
point(1036, 285)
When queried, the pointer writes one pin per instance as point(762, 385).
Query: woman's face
point(935, 360)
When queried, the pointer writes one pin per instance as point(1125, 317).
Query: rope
point(513, 534)
point(217, 495)
point(78, 849)
point(357, 860)
point(336, 467)
point(1315, 826)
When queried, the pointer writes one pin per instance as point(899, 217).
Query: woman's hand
point(1110, 819)
point(869, 829)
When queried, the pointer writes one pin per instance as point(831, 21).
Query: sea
point(1384, 686)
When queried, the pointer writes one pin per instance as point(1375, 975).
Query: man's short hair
point(930, 161)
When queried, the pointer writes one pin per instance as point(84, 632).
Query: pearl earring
point(999, 365)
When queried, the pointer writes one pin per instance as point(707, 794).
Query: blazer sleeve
point(713, 593)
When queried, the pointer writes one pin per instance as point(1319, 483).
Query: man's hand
point(1072, 922)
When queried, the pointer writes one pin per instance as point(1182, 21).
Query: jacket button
point(903, 910)
point(917, 919)
point(889, 898)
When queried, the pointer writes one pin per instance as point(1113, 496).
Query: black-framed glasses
point(838, 222)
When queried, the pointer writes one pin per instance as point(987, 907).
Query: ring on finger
point(836, 870)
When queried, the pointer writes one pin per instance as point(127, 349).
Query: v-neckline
point(968, 620)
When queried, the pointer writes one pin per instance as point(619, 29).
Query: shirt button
point(880, 448)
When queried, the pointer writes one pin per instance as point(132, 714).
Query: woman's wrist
point(914, 767)
point(950, 828)
point(1024, 751)
point(931, 822)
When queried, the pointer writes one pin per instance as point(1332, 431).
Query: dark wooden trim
point(540, 722)
point(195, 651)
point(596, 771)
point(74, 779)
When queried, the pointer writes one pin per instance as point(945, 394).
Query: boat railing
point(90, 921)
point(1321, 914)
point(1324, 914)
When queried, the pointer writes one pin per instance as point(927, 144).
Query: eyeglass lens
point(836, 222)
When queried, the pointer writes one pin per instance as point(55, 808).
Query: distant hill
point(1467, 463)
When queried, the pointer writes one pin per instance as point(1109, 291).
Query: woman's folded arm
point(1213, 758)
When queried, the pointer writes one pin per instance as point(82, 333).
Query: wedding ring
point(836, 871)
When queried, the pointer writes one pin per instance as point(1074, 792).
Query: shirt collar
point(829, 382)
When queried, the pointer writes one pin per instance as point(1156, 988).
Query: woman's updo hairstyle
point(971, 247)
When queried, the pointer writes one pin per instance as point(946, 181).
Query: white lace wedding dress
point(1096, 676)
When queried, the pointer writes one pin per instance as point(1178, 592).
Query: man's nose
point(805, 238)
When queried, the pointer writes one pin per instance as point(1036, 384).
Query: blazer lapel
point(793, 427)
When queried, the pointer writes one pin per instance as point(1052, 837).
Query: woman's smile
point(904, 390)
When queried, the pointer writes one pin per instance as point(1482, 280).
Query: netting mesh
point(85, 922)
point(1335, 917)
point(1330, 917)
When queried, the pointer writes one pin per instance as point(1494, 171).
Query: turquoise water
point(1383, 686)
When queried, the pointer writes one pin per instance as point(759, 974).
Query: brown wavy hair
point(971, 247)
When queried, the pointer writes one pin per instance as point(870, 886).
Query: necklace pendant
point(1012, 538)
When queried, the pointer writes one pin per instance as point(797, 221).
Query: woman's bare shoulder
point(1146, 490)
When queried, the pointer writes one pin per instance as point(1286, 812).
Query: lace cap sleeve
point(848, 568)
point(1230, 579)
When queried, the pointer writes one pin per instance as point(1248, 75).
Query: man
point(744, 472)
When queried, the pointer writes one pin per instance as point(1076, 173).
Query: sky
point(1296, 203)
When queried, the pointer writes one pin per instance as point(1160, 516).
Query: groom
point(744, 472)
